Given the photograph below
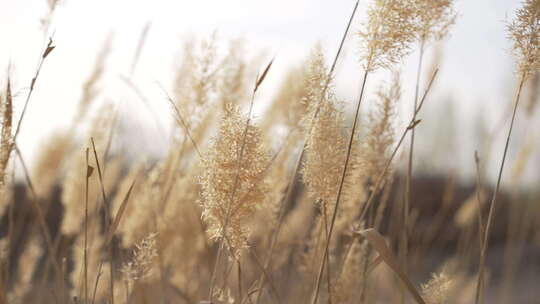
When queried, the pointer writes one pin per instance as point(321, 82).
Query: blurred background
point(469, 101)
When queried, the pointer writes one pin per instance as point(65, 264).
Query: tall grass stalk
point(108, 223)
point(89, 170)
point(408, 181)
point(493, 203)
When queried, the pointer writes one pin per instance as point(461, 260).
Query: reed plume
point(324, 155)
point(388, 34)
point(219, 171)
point(524, 31)
point(433, 18)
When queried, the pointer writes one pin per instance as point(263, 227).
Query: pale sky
point(477, 68)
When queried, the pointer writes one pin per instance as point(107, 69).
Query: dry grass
point(238, 211)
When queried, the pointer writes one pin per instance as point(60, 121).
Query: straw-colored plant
point(300, 204)
point(231, 186)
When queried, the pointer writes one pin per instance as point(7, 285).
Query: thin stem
point(46, 52)
point(96, 283)
point(479, 286)
point(493, 203)
point(407, 200)
point(140, 46)
point(180, 120)
point(107, 220)
point(328, 279)
point(481, 228)
point(340, 189)
point(239, 268)
point(85, 252)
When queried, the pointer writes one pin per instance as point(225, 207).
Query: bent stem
point(493, 204)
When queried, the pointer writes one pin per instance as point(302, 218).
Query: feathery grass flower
point(388, 34)
point(222, 170)
point(525, 34)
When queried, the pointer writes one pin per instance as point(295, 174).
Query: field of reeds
point(317, 200)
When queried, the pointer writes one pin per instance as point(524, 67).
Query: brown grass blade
point(49, 49)
point(377, 241)
point(414, 124)
point(374, 264)
point(119, 214)
point(263, 76)
point(46, 53)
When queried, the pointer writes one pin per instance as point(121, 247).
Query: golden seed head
point(524, 31)
point(389, 33)
point(326, 141)
point(316, 78)
point(434, 18)
point(232, 186)
point(325, 153)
